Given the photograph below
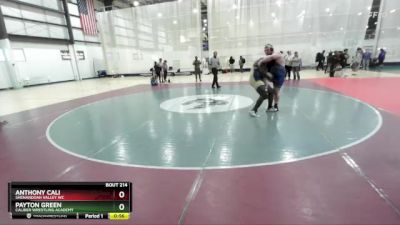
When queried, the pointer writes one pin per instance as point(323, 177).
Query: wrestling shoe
point(253, 114)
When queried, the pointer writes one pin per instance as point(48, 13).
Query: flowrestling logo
point(206, 103)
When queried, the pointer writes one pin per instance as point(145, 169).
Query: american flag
point(87, 16)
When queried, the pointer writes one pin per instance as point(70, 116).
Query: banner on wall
point(137, 56)
point(65, 55)
point(81, 55)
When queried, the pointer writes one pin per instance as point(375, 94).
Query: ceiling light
point(182, 39)
point(135, 3)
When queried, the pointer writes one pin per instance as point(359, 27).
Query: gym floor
point(331, 155)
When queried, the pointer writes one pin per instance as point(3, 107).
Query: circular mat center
point(177, 128)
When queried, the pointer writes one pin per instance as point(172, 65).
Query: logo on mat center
point(206, 103)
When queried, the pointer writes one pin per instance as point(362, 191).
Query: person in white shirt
point(357, 60)
point(288, 63)
point(296, 65)
point(165, 71)
point(215, 65)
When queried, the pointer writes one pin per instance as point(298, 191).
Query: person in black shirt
point(344, 58)
point(329, 60)
point(242, 61)
point(320, 58)
point(197, 71)
point(232, 64)
point(261, 81)
point(336, 58)
point(157, 69)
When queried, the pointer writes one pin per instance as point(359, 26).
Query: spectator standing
point(157, 70)
point(320, 59)
point(215, 65)
point(381, 58)
point(357, 60)
point(366, 59)
point(232, 64)
point(165, 70)
point(242, 61)
point(329, 60)
point(296, 65)
point(288, 63)
point(197, 71)
point(344, 57)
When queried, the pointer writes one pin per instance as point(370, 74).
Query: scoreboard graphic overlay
point(70, 200)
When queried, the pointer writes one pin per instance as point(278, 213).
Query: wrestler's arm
point(267, 78)
point(276, 56)
point(267, 59)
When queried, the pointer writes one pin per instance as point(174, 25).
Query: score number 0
point(121, 206)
